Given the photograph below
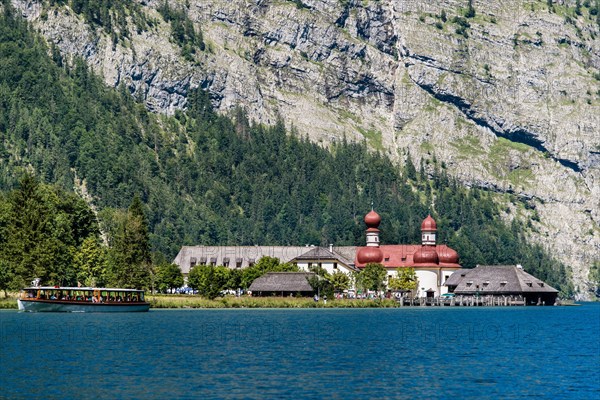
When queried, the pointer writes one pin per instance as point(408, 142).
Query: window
point(387, 259)
point(334, 265)
point(193, 262)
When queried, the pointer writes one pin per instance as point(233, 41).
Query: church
point(433, 263)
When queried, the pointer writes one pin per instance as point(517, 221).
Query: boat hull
point(78, 306)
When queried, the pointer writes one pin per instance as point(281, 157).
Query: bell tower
point(428, 232)
point(372, 220)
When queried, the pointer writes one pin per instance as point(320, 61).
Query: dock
point(467, 301)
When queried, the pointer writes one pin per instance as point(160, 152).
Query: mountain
point(504, 94)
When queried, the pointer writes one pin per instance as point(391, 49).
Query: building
point(282, 284)
point(433, 263)
point(331, 258)
point(506, 281)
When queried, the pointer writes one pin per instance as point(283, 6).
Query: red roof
point(371, 254)
point(372, 219)
point(401, 255)
point(429, 224)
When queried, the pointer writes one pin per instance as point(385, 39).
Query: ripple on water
point(401, 353)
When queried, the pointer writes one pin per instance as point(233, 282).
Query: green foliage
point(406, 280)
point(320, 282)
point(90, 262)
point(183, 32)
point(299, 4)
point(111, 15)
point(264, 265)
point(470, 11)
point(462, 26)
point(339, 281)
point(6, 276)
point(208, 280)
point(372, 277)
point(42, 228)
point(443, 16)
point(168, 276)
point(130, 263)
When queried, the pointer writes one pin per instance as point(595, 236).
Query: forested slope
point(210, 179)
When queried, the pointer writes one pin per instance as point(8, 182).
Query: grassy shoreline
point(7, 303)
point(187, 301)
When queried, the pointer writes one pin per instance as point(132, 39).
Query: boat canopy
point(81, 288)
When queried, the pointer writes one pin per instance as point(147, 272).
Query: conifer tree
point(130, 258)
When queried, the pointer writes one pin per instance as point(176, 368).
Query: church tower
point(428, 231)
point(372, 220)
point(371, 253)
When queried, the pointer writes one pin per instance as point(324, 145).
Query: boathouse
point(283, 284)
point(505, 281)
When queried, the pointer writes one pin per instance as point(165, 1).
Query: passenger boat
point(81, 299)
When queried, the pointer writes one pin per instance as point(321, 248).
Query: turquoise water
point(518, 352)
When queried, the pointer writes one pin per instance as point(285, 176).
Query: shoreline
point(175, 302)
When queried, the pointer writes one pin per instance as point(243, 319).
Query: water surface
point(516, 352)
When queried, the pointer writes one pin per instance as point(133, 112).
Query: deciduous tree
point(168, 276)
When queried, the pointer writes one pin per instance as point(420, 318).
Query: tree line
point(53, 235)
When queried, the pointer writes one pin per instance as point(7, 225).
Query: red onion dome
point(429, 224)
point(426, 255)
point(372, 219)
point(448, 256)
point(369, 255)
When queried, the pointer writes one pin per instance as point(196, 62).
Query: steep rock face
point(507, 101)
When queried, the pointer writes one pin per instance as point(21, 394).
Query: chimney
point(331, 247)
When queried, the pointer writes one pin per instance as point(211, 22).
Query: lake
point(508, 353)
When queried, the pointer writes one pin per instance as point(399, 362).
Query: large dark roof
point(497, 279)
point(282, 282)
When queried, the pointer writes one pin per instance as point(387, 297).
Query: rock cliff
point(505, 95)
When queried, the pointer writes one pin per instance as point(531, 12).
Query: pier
point(468, 301)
